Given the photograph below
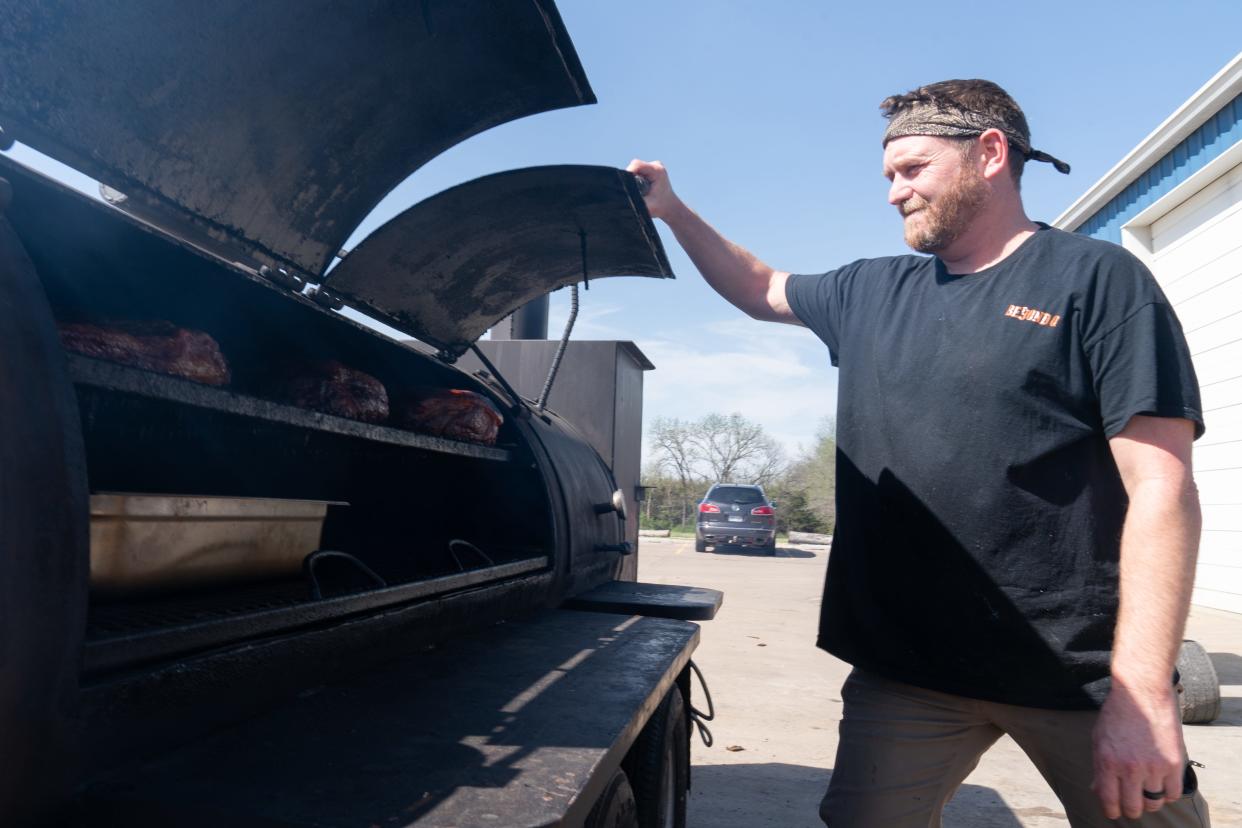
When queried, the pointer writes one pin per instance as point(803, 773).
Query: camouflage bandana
point(941, 122)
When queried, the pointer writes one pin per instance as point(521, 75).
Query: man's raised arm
point(732, 271)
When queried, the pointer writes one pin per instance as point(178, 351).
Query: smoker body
point(219, 220)
point(528, 503)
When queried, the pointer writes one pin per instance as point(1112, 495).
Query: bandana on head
point(943, 122)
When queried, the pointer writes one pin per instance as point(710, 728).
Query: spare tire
point(1198, 689)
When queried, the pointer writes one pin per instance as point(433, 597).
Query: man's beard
point(948, 217)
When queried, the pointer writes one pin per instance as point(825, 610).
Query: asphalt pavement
point(778, 702)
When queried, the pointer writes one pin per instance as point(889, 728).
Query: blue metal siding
point(1209, 141)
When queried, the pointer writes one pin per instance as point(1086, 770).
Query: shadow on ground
point(1229, 671)
point(1228, 667)
point(1230, 713)
point(781, 552)
point(799, 552)
point(776, 795)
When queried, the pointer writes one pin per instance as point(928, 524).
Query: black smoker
point(236, 197)
point(597, 386)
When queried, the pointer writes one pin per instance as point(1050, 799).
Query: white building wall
point(1192, 240)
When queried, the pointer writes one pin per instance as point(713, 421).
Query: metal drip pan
point(144, 543)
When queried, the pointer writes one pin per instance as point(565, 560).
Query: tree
point(813, 477)
point(686, 457)
point(676, 457)
point(793, 512)
point(667, 504)
point(674, 452)
point(735, 450)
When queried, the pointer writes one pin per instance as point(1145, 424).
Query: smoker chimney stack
point(527, 322)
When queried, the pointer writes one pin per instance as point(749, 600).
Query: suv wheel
point(700, 545)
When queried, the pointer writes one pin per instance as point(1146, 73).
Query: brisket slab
point(451, 413)
point(335, 388)
point(152, 346)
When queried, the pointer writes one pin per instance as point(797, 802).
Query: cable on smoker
point(560, 349)
point(698, 716)
point(312, 560)
point(569, 324)
point(466, 543)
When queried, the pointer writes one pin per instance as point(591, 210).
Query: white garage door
point(1197, 250)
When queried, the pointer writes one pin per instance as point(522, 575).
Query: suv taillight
point(761, 510)
point(709, 507)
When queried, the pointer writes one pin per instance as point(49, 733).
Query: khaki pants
point(904, 751)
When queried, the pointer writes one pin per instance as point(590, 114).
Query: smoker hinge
point(323, 297)
point(6, 141)
point(282, 277)
point(518, 408)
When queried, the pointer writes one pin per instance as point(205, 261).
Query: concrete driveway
point(778, 702)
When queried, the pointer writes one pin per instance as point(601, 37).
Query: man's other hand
point(660, 198)
point(1138, 747)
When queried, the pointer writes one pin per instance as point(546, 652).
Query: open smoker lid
point(273, 128)
point(452, 266)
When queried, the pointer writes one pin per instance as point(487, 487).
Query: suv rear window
point(735, 494)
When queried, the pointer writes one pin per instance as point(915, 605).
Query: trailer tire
point(1198, 687)
point(615, 807)
point(659, 765)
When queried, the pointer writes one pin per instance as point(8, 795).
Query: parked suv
point(736, 514)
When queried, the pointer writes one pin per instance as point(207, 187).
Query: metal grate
point(124, 634)
point(110, 620)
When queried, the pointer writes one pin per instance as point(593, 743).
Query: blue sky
point(766, 115)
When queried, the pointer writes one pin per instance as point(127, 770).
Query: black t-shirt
point(979, 509)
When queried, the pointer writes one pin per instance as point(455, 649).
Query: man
point(1017, 523)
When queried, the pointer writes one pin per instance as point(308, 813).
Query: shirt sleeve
point(1143, 366)
point(816, 301)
